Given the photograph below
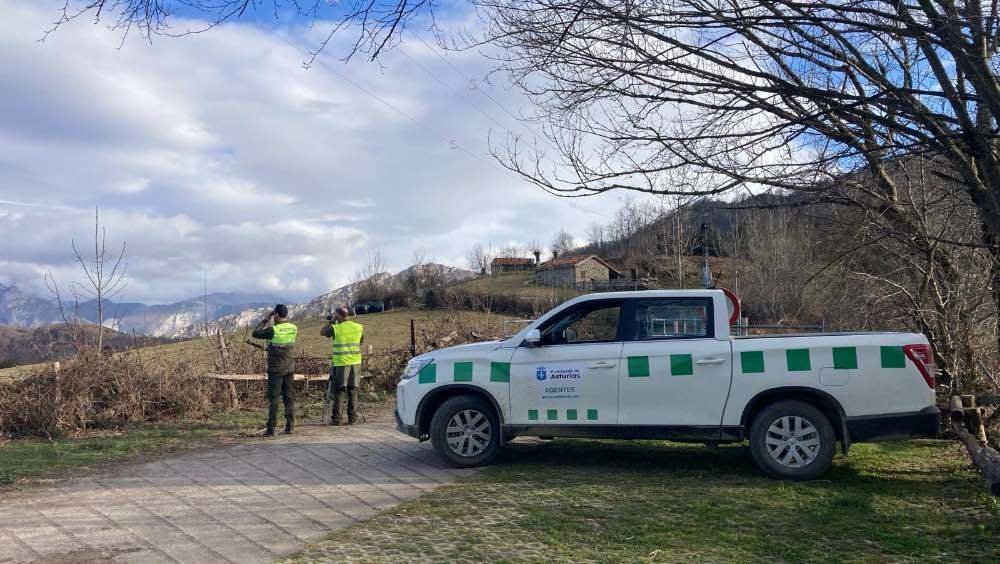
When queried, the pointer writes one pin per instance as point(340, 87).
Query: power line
point(451, 142)
point(484, 92)
point(455, 90)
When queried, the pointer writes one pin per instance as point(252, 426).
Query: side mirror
point(533, 338)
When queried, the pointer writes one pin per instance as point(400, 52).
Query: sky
point(220, 155)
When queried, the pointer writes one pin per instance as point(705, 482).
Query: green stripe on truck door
point(752, 362)
point(638, 366)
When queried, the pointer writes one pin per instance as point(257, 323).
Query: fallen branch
point(984, 457)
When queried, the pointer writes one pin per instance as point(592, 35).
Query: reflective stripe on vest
point(347, 343)
point(284, 334)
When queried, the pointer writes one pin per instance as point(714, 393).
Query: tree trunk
point(984, 457)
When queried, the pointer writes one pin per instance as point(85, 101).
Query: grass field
point(38, 458)
point(388, 330)
point(601, 501)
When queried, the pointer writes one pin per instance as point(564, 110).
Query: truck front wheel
point(465, 431)
point(792, 440)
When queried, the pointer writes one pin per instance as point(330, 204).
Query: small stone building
point(575, 271)
point(504, 265)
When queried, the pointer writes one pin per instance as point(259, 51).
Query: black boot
point(289, 427)
point(269, 432)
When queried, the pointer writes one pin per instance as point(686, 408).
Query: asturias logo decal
point(541, 374)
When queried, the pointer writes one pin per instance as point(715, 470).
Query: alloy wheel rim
point(468, 433)
point(792, 441)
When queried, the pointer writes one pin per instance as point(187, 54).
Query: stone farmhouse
point(575, 271)
point(505, 265)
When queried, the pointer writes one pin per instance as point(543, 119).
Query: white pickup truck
point(662, 365)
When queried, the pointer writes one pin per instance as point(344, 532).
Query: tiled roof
point(505, 261)
point(570, 261)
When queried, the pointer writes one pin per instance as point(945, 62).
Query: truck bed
point(826, 334)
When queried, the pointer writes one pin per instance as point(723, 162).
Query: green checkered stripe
point(679, 365)
point(800, 360)
point(464, 372)
point(567, 414)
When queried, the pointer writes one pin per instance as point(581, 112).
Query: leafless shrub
point(479, 257)
point(98, 390)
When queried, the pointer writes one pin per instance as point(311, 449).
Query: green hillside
point(388, 330)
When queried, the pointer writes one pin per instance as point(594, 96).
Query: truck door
point(571, 376)
point(674, 371)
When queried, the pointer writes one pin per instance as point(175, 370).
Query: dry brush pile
point(99, 390)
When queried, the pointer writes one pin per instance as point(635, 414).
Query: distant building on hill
point(504, 265)
point(576, 271)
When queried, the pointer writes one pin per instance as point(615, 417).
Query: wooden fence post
point(413, 340)
point(223, 351)
point(57, 369)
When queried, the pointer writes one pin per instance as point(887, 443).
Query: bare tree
point(376, 25)
point(510, 251)
point(679, 236)
point(419, 256)
point(562, 242)
point(596, 237)
point(370, 278)
point(104, 273)
point(418, 271)
point(480, 257)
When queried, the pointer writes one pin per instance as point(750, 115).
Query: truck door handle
point(602, 364)
point(711, 360)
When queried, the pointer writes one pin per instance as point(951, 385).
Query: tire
point(459, 428)
point(792, 440)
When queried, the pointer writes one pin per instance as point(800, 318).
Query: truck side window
point(672, 318)
point(589, 325)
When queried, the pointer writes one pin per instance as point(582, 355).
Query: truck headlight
point(414, 367)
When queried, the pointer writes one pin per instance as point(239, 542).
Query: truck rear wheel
point(465, 431)
point(792, 440)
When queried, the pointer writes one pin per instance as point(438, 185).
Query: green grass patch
point(39, 458)
point(577, 500)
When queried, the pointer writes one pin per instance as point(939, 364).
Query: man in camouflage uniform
point(345, 368)
point(280, 366)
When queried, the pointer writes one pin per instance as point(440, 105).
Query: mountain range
point(19, 309)
point(324, 303)
point(187, 318)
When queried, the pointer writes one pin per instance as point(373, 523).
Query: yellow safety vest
point(347, 343)
point(284, 335)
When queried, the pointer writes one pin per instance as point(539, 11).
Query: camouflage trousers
point(283, 386)
point(344, 381)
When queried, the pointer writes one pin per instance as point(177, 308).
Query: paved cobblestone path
point(247, 503)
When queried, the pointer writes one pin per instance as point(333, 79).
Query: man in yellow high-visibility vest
point(345, 370)
point(280, 366)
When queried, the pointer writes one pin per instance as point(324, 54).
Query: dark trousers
point(282, 385)
point(344, 381)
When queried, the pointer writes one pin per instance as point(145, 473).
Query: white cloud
point(220, 153)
